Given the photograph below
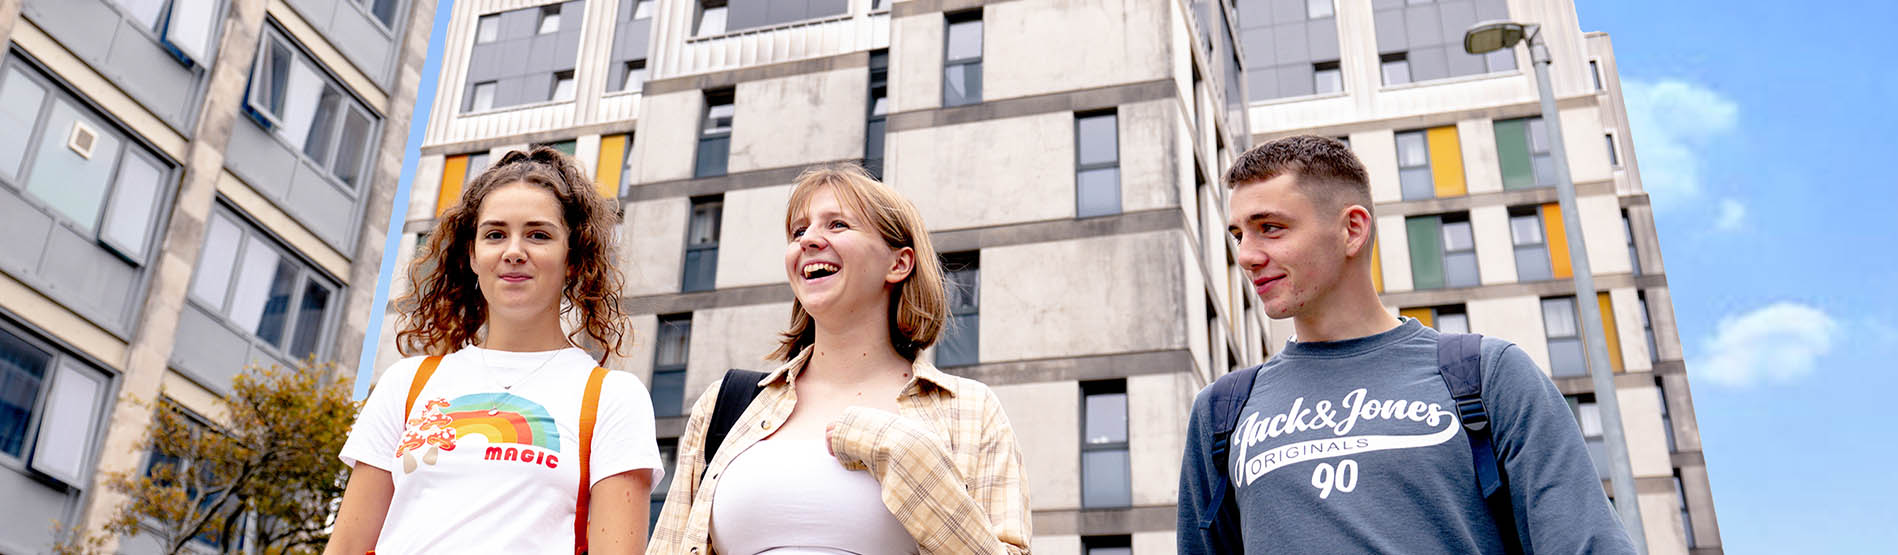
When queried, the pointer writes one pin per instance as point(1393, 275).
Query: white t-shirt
point(481, 470)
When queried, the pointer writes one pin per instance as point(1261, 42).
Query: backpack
point(1459, 362)
point(734, 396)
point(589, 413)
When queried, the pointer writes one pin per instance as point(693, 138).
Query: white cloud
point(1779, 343)
point(1732, 214)
point(1673, 122)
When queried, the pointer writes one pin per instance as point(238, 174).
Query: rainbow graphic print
point(503, 418)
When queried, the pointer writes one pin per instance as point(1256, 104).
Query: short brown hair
point(1327, 170)
point(919, 305)
point(444, 309)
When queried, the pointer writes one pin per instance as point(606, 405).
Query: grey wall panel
point(484, 62)
point(1262, 80)
point(1322, 36)
point(208, 351)
point(513, 59)
point(362, 39)
point(746, 14)
point(511, 91)
point(1284, 11)
point(318, 12)
point(543, 53)
point(1288, 45)
point(827, 8)
point(566, 50)
point(149, 73)
point(1455, 18)
point(1491, 9)
point(25, 229)
point(25, 516)
point(1390, 31)
point(1428, 63)
point(78, 20)
point(1422, 27)
point(321, 206)
point(264, 162)
point(83, 275)
point(519, 23)
point(630, 39)
point(1257, 44)
point(1382, 4)
point(1461, 63)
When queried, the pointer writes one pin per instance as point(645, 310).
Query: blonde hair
point(919, 305)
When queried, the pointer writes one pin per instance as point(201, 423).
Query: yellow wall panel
point(1377, 268)
point(1446, 161)
point(1608, 329)
point(612, 160)
point(1558, 241)
point(1424, 316)
point(454, 171)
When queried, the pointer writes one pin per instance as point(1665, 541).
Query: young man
point(1349, 440)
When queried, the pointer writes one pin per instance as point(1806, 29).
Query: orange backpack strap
point(421, 379)
point(589, 412)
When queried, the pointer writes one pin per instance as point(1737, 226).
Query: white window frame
point(62, 368)
point(250, 234)
point(260, 110)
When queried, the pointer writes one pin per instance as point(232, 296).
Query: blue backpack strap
point(1227, 395)
point(1460, 362)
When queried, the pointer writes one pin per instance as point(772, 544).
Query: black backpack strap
point(734, 396)
point(1460, 362)
point(1227, 396)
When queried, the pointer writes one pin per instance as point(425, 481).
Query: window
point(962, 59)
point(1317, 9)
point(1413, 166)
point(711, 18)
point(668, 462)
point(1687, 519)
point(291, 95)
point(549, 20)
point(1614, 154)
point(1532, 248)
point(635, 78)
point(1430, 163)
point(1325, 76)
point(877, 124)
point(257, 287)
point(1447, 319)
point(642, 9)
point(457, 171)
point(384, 10)
point(50, 407)
point(1114, 545)
point(1647, 325)
point(715, 134)
point(1396, 68)
point(165, 469)
point(609, 173)
point(1106, 477)
point(701, 244)
point(1522, 148)
point(668, 364)
point(482, 99)
point(562, 87)
point(487, 28)
point(1442, 251)
point(565, 147)
point(1096, 165)
point(1667, 419)
point(960, 344)
point(1594, 70)
point(185, 27)
point(1588, 415)
point(78, 168)
point(1566, 358)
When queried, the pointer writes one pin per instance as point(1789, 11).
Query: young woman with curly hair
point(499, 434)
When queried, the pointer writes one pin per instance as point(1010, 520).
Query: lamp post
point(1489, 36)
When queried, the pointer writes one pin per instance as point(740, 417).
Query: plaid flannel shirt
point(948, 463)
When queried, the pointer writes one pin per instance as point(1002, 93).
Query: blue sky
point(1757, 126)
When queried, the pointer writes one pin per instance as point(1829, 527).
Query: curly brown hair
point(444, 309)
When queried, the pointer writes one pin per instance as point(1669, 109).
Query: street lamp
point(1489, 36)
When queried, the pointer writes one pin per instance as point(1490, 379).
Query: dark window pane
point(1097, 139)
point(1453, 323)
point(22, 367)
point(1105, 479)
point(384, 10)
point(1416, 183)
point(714, 152)
point(675, 337)
point(873, 138)
point(350, 149)
point(1097, 192)
point(323, 127)
point(1459, 269)
point(276, 315)
point(960, 344)
point(310, 312)
point(1532, 264)
point(1565, 358)
point(701, 269)
point(962, 84)
point(718, 119)
point(668, 393)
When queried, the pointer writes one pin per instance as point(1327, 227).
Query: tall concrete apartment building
point(186, 187)
point(1066, 157)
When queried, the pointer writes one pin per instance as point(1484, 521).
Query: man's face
point(1291, 247)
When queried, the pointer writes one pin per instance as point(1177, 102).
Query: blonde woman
point(854, 444)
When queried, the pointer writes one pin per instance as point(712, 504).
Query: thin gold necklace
point(508, 390)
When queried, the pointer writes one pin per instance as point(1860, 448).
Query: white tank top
point(791, 497)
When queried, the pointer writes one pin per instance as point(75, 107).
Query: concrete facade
point(226, 229)
point(1138, 308)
